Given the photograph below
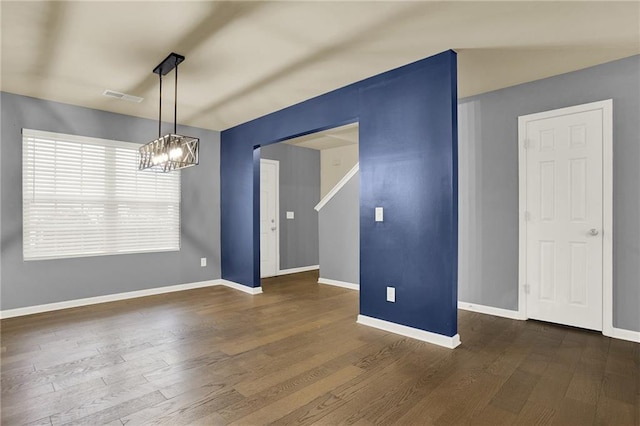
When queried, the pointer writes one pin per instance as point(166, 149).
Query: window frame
point(110, 200)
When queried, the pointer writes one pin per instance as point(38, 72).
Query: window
point(85, 197)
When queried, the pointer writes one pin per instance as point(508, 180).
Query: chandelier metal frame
point(171, 151)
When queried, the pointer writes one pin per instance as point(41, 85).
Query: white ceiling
point(246, 59)
point(336, 137)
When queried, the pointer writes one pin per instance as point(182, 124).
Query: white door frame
point(607, 205)
point(276, 163)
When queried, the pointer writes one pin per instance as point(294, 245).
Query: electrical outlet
point(391, 294)
point(379, 214)
point(203, 262)
point(290, 215)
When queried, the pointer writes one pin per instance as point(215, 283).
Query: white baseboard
point(621, 333)
point(241, 287)
point(29, 310)
point(616, 333)
point(337, 283)
point(414, 333)
point(490, 310)
point(18, 312)
point(298, 270)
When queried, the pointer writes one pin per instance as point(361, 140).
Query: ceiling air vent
point(113, 94)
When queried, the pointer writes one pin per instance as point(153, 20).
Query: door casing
point(606, 107)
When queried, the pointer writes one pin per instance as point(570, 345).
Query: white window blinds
point(85, 197)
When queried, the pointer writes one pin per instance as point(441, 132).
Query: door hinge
point(527, 144)
point(527, 289)
point(527, 216)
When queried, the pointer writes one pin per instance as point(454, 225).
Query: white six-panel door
point(563, 217)
point(268, 218)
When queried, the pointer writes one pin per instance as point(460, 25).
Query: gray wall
point(46, 281)
point(488, 184)
point(299, 193)
point(339, 224)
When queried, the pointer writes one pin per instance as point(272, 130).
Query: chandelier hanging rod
point(163, 68)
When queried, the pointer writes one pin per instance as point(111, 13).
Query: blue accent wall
point(408, 154)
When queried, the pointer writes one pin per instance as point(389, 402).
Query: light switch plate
point(290, 215)
point(391, 294)
point(203, 262)
point(379, 214)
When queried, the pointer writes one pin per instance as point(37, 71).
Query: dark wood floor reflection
point(296, 355)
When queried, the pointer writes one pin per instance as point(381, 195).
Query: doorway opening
point(309, 206)
point(269, 217)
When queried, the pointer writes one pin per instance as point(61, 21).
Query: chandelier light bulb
point(175, 153)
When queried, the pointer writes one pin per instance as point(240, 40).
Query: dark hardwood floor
point(295, 355)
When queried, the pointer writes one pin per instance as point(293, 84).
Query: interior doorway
point(317, 225)
point(566, 215)
point(269, 214)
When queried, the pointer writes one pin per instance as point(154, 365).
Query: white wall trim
point(414, 333)
point(490, 310)
point(29, 310)
point(337, 283)
point(607, 217)
point(522, 224)
point(607, 205)
point(298, 270)
point(346, 178)
point(616, 333)
point(49, 307)
point(621, 333)
point(241, 287)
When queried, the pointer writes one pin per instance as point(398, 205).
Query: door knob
point(593, 232)
point(273, 228)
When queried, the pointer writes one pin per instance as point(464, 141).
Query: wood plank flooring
point(295, 355)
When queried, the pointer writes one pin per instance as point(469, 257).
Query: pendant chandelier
point(171, 151)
